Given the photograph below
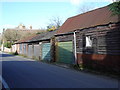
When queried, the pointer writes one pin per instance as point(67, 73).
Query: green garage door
point(46, 53)
point(65, 52)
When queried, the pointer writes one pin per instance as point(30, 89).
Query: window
point(88, 41)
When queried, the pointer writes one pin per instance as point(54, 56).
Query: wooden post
point(40, 44)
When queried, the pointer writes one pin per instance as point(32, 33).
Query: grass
point(77, 66)
point(35, 58)
point(23, 55)
point(10, 53)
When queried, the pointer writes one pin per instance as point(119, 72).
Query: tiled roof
point(92, 18)
point(25, 39)
point(42, 36)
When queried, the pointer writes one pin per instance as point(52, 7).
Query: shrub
point(8, 44)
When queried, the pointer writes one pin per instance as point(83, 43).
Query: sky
point(39, 12)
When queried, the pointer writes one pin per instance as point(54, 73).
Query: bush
point(8, 44)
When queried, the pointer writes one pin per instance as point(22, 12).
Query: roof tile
point(92, 18)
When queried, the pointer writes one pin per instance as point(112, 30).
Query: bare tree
point(11, 35)
point(55, 21)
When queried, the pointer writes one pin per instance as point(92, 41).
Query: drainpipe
point(75, 48)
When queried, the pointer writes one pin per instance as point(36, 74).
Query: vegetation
point(115, 8)
point(51, 28)
point(11, 36)
point(0, 40)
point(8, 44)
point(35, 58)
point(55, 23)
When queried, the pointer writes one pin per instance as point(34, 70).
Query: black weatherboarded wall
point(105, 50)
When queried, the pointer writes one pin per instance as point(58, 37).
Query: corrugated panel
point(65, 52)
point(92, 18)
point(46, 54)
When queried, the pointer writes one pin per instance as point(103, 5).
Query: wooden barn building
point(91, 39)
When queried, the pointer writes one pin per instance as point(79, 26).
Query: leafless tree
point(11, 35)
point(55, 21)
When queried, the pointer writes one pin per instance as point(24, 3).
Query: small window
point(88, 41)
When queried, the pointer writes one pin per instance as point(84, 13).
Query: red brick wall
point(101, 61)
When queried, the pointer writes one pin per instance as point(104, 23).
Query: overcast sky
point(39, 12)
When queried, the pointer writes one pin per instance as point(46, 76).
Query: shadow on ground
point(6, 55)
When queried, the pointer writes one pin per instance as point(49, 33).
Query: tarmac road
point(20, 72)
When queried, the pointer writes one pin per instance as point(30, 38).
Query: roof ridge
point(99, 16)
point(88, 12)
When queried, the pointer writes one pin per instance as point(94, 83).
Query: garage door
point(20, 50)
point(24, 49)
point(37, 51)
point(65, 52)
point(46, 54)
point(30, 51)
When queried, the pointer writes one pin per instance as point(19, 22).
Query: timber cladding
point(105, 40)
point(104, 54)
point(63, 38)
